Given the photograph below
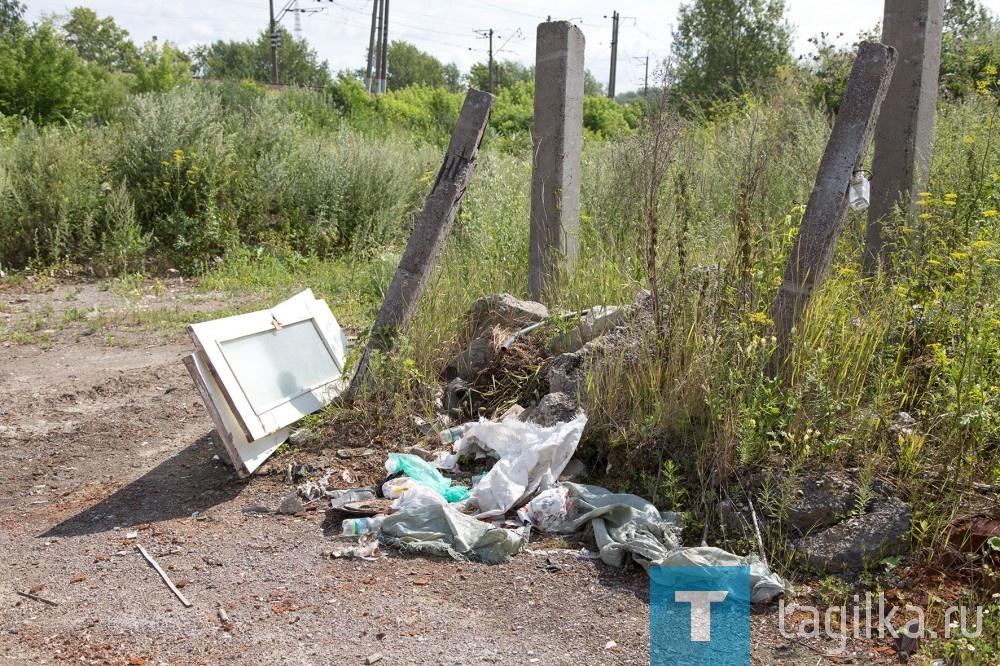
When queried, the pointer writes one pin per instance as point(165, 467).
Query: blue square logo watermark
point(699, 615)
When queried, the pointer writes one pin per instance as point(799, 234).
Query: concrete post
point(557, 144)
point(429, 232)
point(905, 128)
point(823, 221)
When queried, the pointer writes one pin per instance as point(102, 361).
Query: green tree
point(964, 18)
point(160, 68)
point(970, 49)
point(723, 47)
point(11, 12)
point(251, 60)
point(591, 86)
point(409, 66)
point(453, 78)
point(506, 74)
point(99, 41)
point(42, 78)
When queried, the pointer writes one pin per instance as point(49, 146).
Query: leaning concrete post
point(429, 233)
point(905, 127)
point(823, 221)
point(557, 144)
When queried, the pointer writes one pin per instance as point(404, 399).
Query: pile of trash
point(491, 520)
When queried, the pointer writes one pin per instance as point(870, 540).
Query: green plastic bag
point(425, 474)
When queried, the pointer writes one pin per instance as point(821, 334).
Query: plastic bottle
point(452, 435)
point(359, 526)
point(342, 497)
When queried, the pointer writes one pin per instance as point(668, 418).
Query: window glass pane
point(274, 366)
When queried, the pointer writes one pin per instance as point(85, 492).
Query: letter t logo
point(701, 612)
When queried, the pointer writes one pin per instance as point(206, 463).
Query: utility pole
point(385, 50)
point(614, 55)
point(491, 61)
point(274, 47)
point(371, 48)
point(489, 77)
point(645, 80)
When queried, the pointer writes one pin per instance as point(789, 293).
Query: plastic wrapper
point(425, 474)
point(549, 511)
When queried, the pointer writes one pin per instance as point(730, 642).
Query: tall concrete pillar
point(557, 144)
point(905, 129)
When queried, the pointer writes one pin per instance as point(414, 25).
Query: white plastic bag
point(418, 496)
point(394, 488)
point(531, 457)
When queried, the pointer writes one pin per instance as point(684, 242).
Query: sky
point(449, 29)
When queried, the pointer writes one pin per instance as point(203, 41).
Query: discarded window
point(260, 372)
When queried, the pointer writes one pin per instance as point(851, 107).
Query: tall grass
point(200, 170)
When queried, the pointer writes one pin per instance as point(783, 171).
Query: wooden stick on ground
point(164, 576)
point(27, 595)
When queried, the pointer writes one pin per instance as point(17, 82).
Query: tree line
point(80, 63)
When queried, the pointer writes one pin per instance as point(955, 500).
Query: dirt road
point(104, 444)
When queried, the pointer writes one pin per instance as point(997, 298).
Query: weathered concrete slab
point(429, 232)
point(823, 221)
point(905, 127)
point(557, 147)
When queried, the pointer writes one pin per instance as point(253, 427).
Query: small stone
point(373, 658)
point(291, 505)
point(610, 645)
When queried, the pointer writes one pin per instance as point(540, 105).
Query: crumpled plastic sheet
point(530, 457)
point(446, 532)
point(425, 474)
point(629, 525)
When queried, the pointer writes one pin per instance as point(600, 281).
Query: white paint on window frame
point(249, 435)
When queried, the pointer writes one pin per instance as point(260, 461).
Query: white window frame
point(248, 436)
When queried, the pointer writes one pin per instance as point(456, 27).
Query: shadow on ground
point(182, 484)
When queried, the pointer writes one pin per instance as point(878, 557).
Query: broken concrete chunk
point(573, 471)
point(505, 311)
point(883, 532)
point(513, 413)
point(554, 408)
point(291, 505)
point(598, 321)
point(474, 358)
point(820, 502)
